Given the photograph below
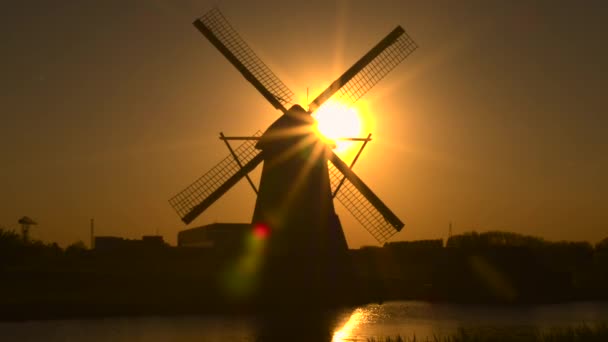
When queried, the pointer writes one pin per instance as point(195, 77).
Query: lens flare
point(261, 231)
point(241, 277)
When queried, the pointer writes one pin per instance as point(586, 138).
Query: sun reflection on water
point(345, 333)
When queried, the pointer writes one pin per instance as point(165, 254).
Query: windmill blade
point(370, 69)
point(220, 33)
point(203, 192)
point(361, 202)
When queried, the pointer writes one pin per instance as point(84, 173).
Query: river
point(406, 318)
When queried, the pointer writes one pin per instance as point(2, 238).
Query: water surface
point(407, 318)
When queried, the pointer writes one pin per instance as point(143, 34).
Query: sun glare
point(345, 333)
point(335, 120)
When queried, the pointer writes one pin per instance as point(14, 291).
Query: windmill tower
point(301, 174)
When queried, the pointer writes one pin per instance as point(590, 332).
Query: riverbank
point(74, 294)
point(584, 332)
point(407, 319)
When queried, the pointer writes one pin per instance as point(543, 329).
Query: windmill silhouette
point(301, 174)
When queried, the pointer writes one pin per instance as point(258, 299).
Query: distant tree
point(11, 245)
point(8, 236)
point(602, 246)
point(601, 256)
point(468, 240)
point(75, 249)
point(474, 241)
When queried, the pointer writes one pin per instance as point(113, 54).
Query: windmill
point(301, 174)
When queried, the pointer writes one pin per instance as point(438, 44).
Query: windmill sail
point(361, 202)
point(220, 33)
point(370, 69)
point(203, 192)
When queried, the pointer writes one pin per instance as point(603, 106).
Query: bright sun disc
point(335, 120)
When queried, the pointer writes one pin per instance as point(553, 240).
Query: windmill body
point(295, 199)
point(306, 247)
point(301, 175)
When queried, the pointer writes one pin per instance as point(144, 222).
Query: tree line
point(487, 267)
point(43, 280)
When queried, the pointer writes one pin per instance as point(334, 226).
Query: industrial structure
point(26, 223)
point(116, 244)
point(215, 235)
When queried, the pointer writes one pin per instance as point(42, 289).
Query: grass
point(584, 332)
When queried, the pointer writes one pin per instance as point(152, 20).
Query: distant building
point(416, 245)
point(215, 235)
point(108, 242)
point(153, 241)
point(113, 243)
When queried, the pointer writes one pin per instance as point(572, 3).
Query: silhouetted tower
point(450, 230)
point(92, 233)
point(25, 223)
point(301, 174)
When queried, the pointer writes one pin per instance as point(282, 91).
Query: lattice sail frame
point(217, 24)
point(355, 202)
point(376, 70)
point(203, 187)
point(369, 69)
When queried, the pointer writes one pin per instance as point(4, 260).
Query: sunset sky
point(497, 122)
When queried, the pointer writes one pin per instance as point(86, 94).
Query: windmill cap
point(26, 220)
point(296, 111)
point(285, 131)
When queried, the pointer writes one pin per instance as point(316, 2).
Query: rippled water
point(405, 318)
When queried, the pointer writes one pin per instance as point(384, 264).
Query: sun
point(335, 120)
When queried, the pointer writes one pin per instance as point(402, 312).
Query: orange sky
point(497, 122)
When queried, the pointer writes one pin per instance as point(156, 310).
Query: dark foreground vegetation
point(587, 333)
point(492, 267)
point(45, 281)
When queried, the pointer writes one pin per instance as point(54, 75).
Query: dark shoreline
point(40, 281)
point(27, 313)
point(139, 300)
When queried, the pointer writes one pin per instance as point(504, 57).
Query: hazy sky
point(497, 122)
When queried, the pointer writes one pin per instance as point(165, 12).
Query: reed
point(583, 332)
